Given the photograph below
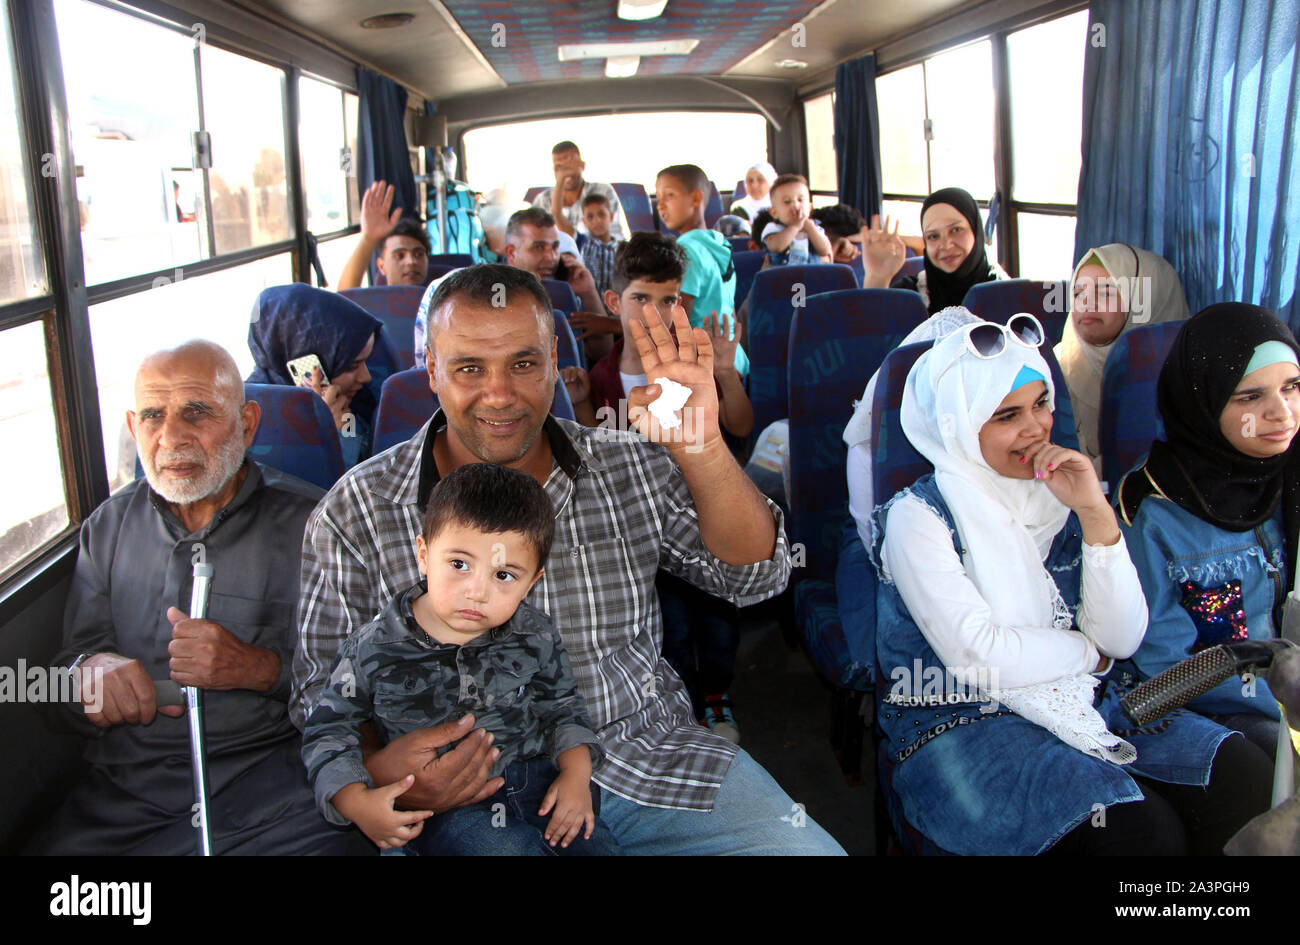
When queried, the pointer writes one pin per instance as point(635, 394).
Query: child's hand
point(570, 795)
point(724, 347)
point(371, 809)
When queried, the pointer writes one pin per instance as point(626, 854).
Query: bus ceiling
point(457, 53)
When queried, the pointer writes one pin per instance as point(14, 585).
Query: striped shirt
point(623, 512)
point(598, 257)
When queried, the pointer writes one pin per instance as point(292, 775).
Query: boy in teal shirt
point(709, 285)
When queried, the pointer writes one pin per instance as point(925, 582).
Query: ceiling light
point(640, 9)
point(670, 47)
point(792, 64)
point(386, 21)
point(620, 67)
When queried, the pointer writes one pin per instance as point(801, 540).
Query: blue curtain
point(1191, 144)
point(381, 139)
point(857, 135)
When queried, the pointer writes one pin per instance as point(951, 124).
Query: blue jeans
point(751, 816)
point(507, 823)
point(701, 637)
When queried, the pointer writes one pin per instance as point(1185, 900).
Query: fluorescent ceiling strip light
point(671, 47)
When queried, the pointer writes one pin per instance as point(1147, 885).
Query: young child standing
point(709, 285)
point(793, 238)
point(598, 251)
point(467, 644)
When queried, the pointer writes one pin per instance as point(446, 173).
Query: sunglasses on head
point(987, 340)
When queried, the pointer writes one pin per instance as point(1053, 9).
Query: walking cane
point(194, 700)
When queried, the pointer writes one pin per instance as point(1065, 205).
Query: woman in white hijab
point(1006, 595)
point(758, 187)
point(1115, 288)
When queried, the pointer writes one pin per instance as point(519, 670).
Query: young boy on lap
point(463, 641)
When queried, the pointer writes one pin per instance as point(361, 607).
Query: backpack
point(464, 228)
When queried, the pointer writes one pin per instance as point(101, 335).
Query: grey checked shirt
point(598, 257)
point(623, 511)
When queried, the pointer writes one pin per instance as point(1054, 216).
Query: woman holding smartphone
point(320, 340)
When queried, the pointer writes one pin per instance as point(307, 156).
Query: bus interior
point(163, 162)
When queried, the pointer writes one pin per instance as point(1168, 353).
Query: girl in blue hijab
point(295, 320)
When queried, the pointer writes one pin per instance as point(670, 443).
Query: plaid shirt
point(598, 257)
point(623, 512)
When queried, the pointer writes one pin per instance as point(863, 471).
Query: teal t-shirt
point(708, 256)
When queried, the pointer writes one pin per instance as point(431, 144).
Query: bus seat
point(859, 272)
point(912, 266)
point(713, 207)
point(998, 300)
point(747, 263)
point(1129, 419)
point(739, 244)
point(438, 270)
point(455, 260)
point(772, 304)
point(739, 191)
point(569, 351)
point(895, 463)
point(532, 193)
point(562, 296)
point(836, 343)
point(396, 306)
point(636, 207)
point(406, 404)
point(297, 434)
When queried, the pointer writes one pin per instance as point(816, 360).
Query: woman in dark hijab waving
point(319, 333)
point(955, 257)
point(1211, 515)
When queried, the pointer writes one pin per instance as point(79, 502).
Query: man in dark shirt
point(126, 626)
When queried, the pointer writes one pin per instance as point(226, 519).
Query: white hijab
point(1145, 302)
point(1006, 526)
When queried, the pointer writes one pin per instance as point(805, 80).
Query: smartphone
point(561, 271)
point(306, 371)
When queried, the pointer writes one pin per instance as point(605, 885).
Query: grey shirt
point(515, 679)
point(135, 560)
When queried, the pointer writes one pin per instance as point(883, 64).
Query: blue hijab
point(295, 320)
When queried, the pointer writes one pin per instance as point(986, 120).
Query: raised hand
point(590, 324)
point(883, 252)
point(724, 346)
point(376, 221)
point(688, 360)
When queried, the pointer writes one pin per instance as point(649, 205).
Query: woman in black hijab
point(955, 257)
point(1211, 515)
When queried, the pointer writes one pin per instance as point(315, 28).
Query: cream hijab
point(1150, 292)
point(1006, 525)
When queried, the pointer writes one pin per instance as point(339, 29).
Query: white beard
point(217, 470)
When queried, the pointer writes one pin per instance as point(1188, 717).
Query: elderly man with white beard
point(201, 501)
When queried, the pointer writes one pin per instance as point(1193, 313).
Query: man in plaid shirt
point(626, 505)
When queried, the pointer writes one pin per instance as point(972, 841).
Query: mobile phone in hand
point(306, 371)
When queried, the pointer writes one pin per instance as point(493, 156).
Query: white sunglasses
point(987, 340)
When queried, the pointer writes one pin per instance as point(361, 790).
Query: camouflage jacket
point(515, 679)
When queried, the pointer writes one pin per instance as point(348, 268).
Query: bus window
point(1046, 69)
point(35, 508)
point(327, 170)
point(243, 109)
point(616, 148)
point(959, 101)
point(904, 156)
point(131, 116)
point(819, 128)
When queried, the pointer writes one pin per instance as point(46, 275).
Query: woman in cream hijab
point(1115, 288)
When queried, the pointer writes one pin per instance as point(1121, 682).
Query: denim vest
point(1000, 784)
point(1205, 586)
point(919, 700)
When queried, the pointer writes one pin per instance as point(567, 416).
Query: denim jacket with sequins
point(1205, 586)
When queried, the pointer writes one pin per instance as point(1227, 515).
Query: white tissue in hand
point(672, 398)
